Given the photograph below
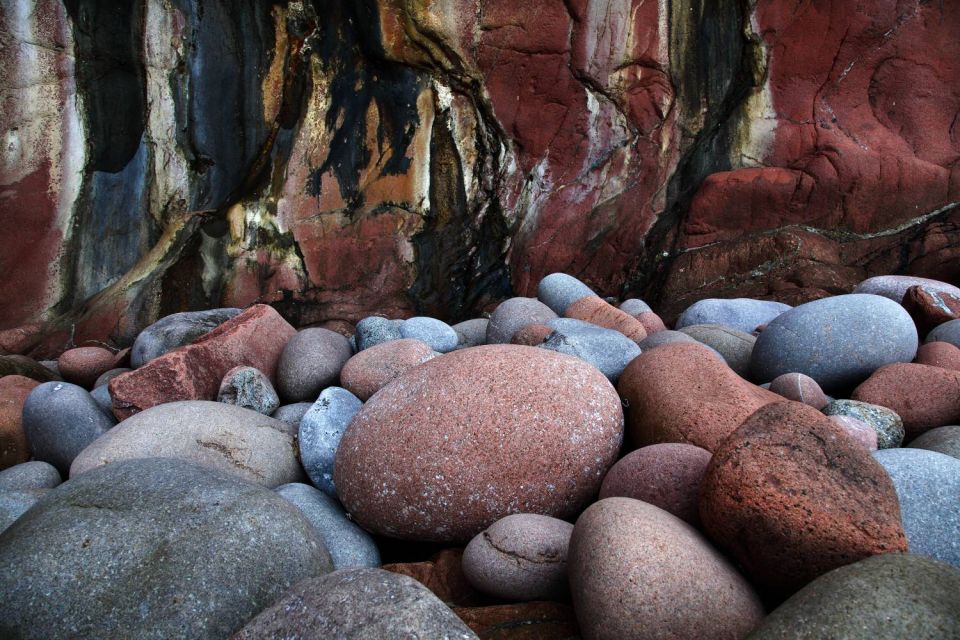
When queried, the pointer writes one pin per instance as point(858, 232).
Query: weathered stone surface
point(608, 350)
point(742, 314)
point(291, 415)
point(373, 368)
point(788, 519)
point(837, 341)
point(513, 315)
point(683, 393)
point(311, 361)
point(924, 397)
point(29, 475)
point(522, 556)
point(887, 424)
point(175, 331)
point(248, 388)
point(254, 338)
point(858, 430)
point(666, 475)
point(348, 544)
point(60, 420)
point(357, 603)
point(83, 365)
point(887, 597)
point(14, 447)
point(320, 431)
point(115, 553)
point(375, 330)
point(942, 440)
point(238, 441)
point(735, 346)
point(532, 335)
point(689, 590)
point(928, 487)
point(930, 307)
point(519, 429)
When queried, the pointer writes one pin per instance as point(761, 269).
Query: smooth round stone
point(61, 420)
point(248, 388)
point(372, 369)
point(924, 397)
point(348, 544)
point(239, 441)
point(107, 376)
point(928, 486)
point(514, 314)
point(310, 362)
point(942, 440)
point(374, 330)
point(885, 422)
point(436, 334)
point(838, 341)
point(743, 314)
point(14, 503)
point(800, 388)
point(939, 354)
point(635, 307)
point(651, 322)
point(637, 571)
point(30, 475)
point(83, 365)
point(887, 597)
point(789, 496)
point(559, 290)
point(601, 313)
point(291, 415)
point(155, 548)
point(735, 346)
point(665, 475)
point(520, 557)
point(174, 331)
point(459, 442)
point(895, 287)
point(357, 603)
point(667, 336)
point(101, 395)
point(858, 430)
point(946, 332)
point(471, 333)
point(320, 432)
point(608, 350)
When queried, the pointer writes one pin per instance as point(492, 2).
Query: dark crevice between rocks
point(714, 67)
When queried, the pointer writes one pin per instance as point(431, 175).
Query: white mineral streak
point(757, 130)
point(163, 51)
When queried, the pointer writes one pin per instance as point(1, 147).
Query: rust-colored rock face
point(14, 447)
point(344, 158)
point(790, 518)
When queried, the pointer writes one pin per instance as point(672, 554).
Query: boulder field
point(559, 468)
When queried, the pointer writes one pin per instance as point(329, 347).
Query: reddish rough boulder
point(372, 369)
point(800, 388)
point(939, 354)
point(791, 497)
point(83, 365)
point(930, 307)
point(666, 475)
point(14, 448)
point(526, 621)
point(923, 396)
point(459, 442)
point(651, 322)
point(255, 338)
point(443, 575)
point(598, 311)
point(682, 392)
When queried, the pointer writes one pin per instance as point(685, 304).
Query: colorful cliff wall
point(340, 158)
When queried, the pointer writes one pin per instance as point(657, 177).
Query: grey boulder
point(15, 503)
point(29, 475)
point(513, 314)
point(248, 388)
point(154, 548)
point(374, 330)
point(608, 350)
point(310, 362)
point(559, 290)
point(291, 415)
point(437, 334)
point(947, 332)
point(942, 440)
point(471, 333)
point(743, 314)
point(320, 431)
point(734, 345)
point(175, 331)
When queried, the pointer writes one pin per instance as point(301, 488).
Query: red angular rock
point(791, 497)
point(665, 475)
point(14, 447)
point(930, 307)
point(598, 311)
point(923, 396)
point(372, 369)
point(255, 338)
point(83, 365)
point(682, 392)
point(939, 354)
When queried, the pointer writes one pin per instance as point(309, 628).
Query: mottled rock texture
point(337, 159)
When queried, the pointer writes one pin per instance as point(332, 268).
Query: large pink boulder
point(372, 369)
point(255, 338)
point(923, 396)
point(459, 442)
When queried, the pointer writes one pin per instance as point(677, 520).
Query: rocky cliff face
point(338, 158)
